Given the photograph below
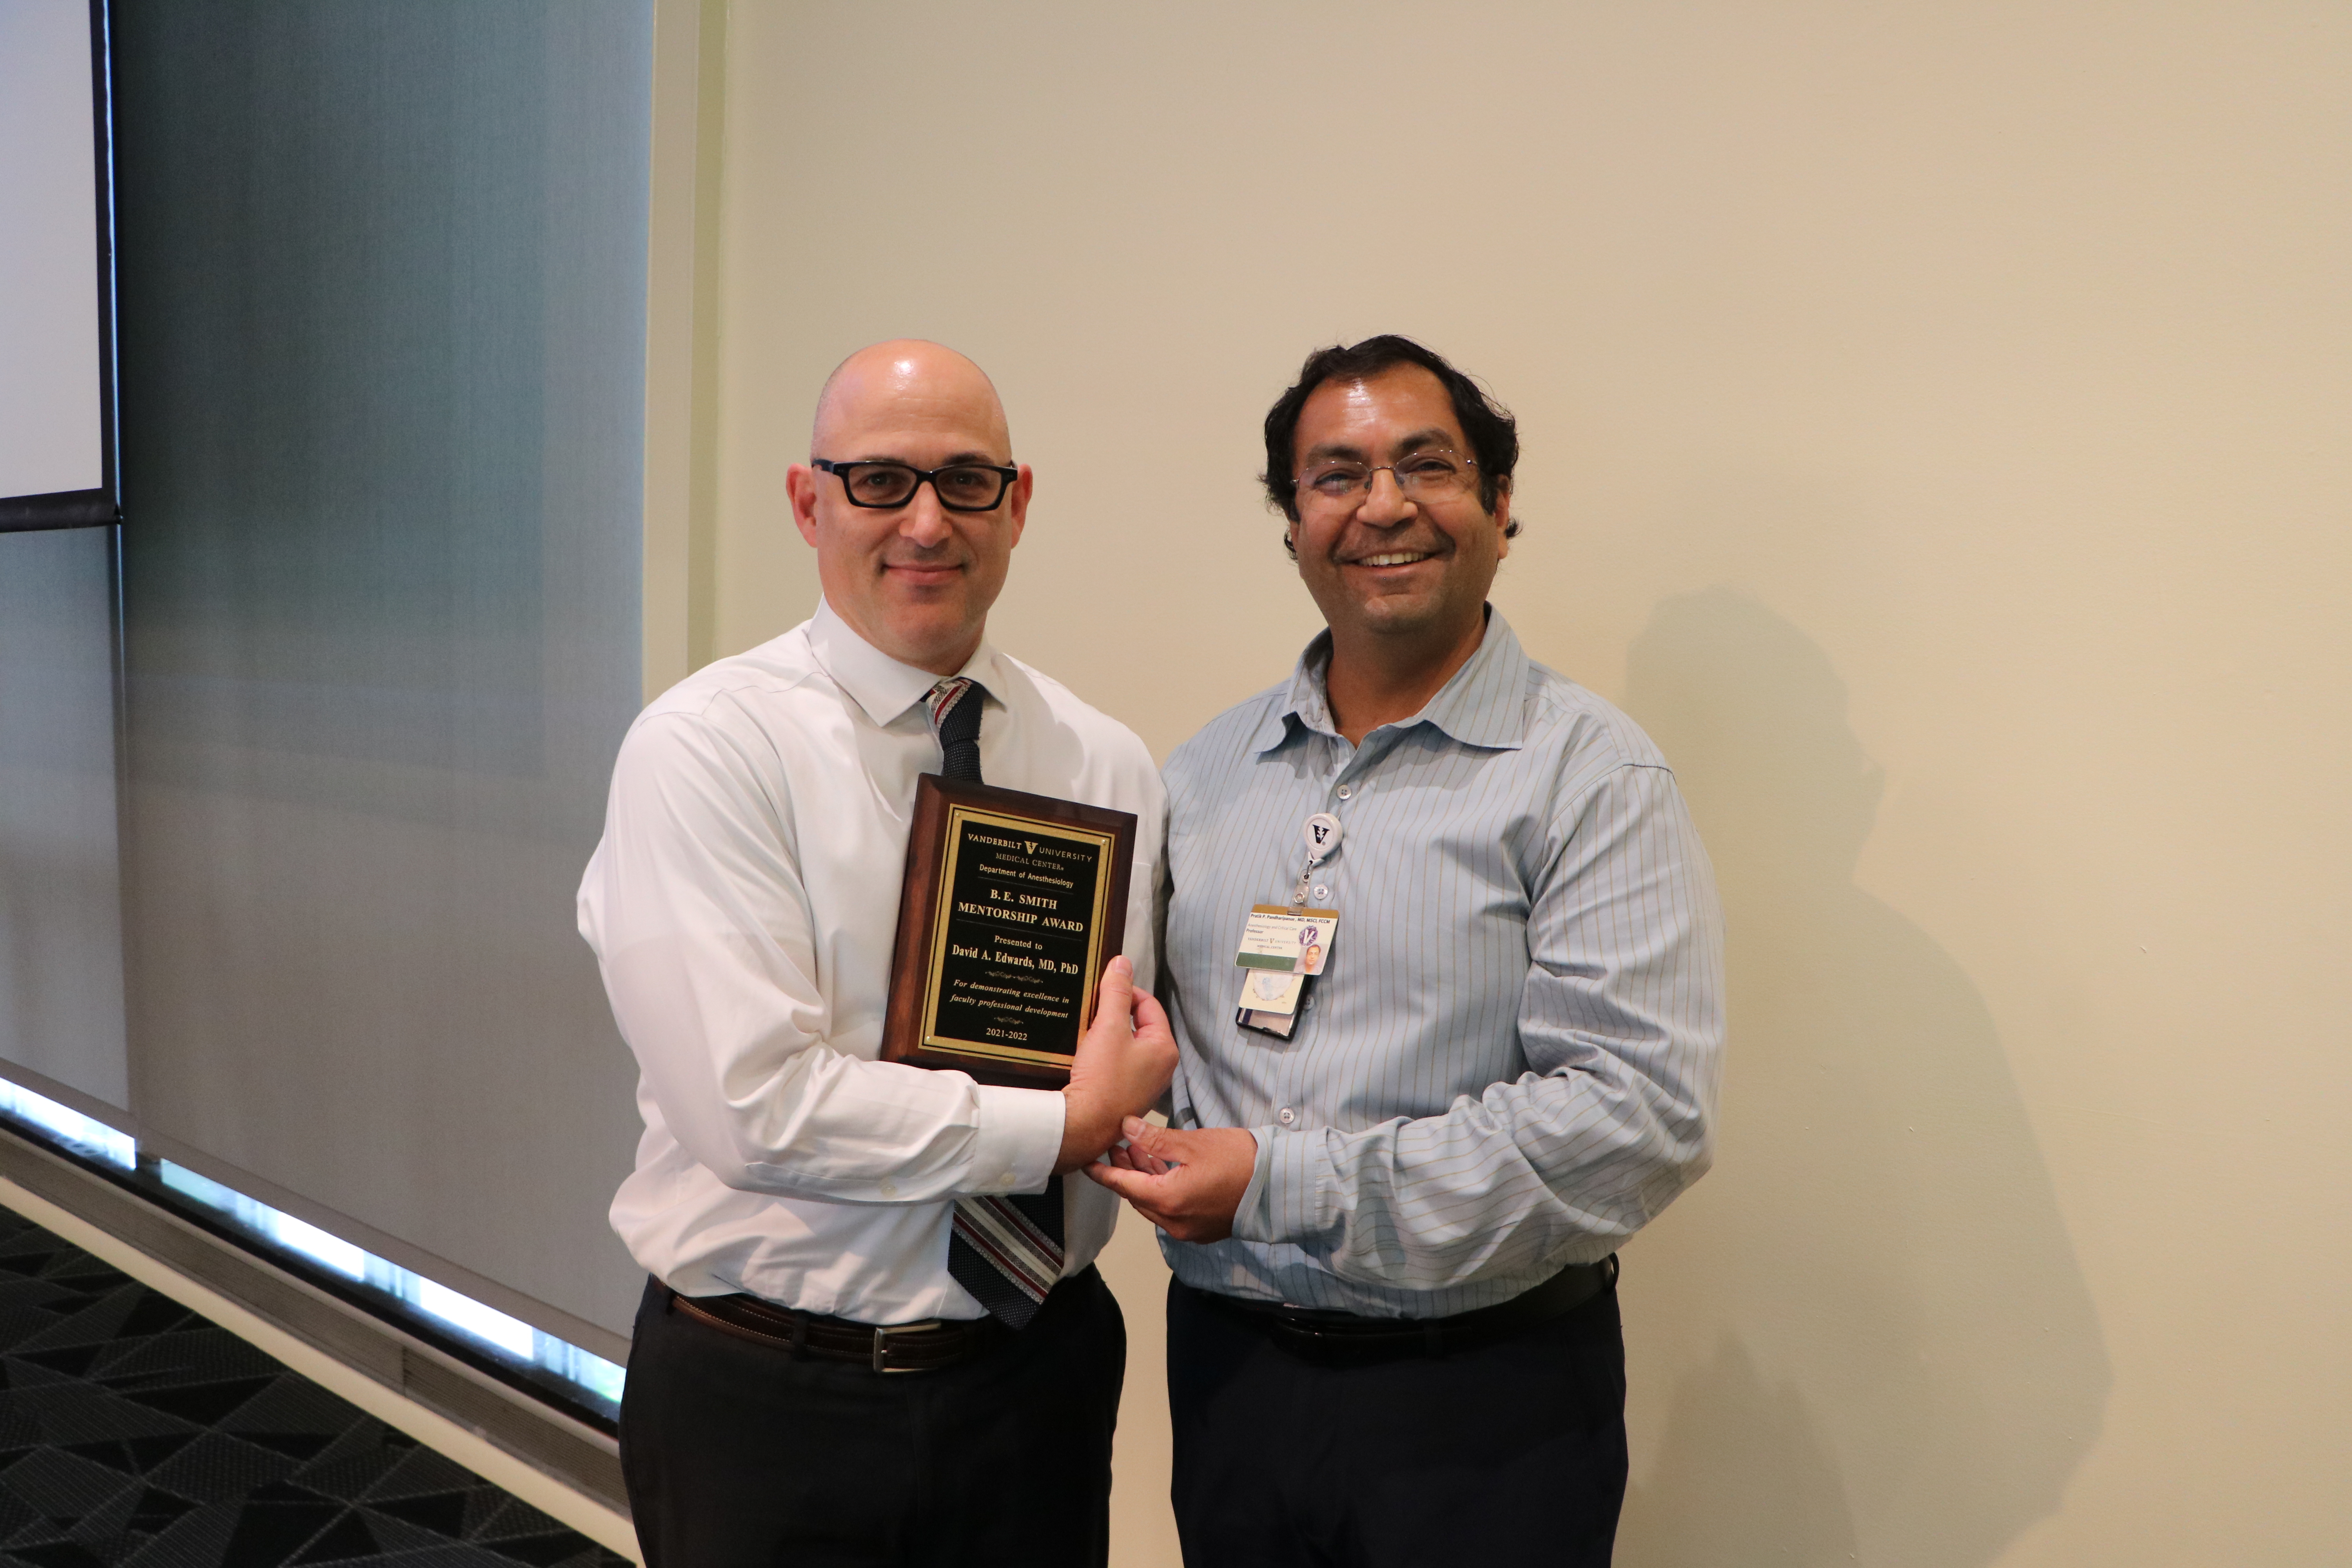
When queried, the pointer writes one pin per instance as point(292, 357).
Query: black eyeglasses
point(960, 487)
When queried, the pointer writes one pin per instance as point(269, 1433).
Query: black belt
point(907, 1347)
point(1348, 1337)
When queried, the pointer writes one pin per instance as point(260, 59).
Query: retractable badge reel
point(1322, 835)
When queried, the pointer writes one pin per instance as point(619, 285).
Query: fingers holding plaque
point(1011, 907)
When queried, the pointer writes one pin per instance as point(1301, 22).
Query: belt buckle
point(882, 1343)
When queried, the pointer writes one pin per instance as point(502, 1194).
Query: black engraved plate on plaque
point(1017, 938)
point(1012, 905)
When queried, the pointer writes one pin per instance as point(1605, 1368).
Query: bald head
point(907, 377)
point(914, 576)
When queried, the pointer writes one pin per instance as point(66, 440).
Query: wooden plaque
point(1011, 907)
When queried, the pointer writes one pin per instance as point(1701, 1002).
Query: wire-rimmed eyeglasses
point(960, 487)
point(1433, 473)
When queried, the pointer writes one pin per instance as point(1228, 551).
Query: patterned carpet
point(133, 1432)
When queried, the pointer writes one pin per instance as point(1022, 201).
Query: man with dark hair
point(1391, 1192)
point(1491, 434)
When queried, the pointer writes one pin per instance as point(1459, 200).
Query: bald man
point(825, 1369)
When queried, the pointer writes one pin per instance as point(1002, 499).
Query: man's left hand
point(1188, 1184)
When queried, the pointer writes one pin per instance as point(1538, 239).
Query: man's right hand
point(1122, 1067)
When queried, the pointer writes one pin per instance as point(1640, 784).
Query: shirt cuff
point(1018, 1138)
point(1254, 1216)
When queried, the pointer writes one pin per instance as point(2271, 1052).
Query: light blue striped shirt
point(1509, 1063)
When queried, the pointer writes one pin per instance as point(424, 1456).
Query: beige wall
point(1936, 436)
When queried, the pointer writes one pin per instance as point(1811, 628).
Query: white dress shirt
point(742, 906)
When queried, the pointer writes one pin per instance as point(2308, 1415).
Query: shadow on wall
point(1865, 1337)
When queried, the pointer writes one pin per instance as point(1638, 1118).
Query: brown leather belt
point(1345, 1336)
point(901, 1347)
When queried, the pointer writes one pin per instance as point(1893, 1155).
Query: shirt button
point(1322, 895)
point(1310, 1003)
point(1346, 792)
point(890, 1189)
point(1005, 1180)
point(1287, 1116)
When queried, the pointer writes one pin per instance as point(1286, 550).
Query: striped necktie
point(1007, 1251)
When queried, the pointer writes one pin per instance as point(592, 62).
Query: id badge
point(1283, 948)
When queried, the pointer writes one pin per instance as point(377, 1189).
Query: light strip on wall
point(456, 1314)
point(90, 1139)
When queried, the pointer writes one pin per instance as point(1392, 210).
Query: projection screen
point(57, 449)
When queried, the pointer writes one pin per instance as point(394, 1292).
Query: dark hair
point(1487, 424)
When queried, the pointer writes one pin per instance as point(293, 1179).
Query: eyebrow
point(1434, 435)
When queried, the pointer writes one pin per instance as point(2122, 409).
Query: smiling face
point(1380, 565)
point(915, 581)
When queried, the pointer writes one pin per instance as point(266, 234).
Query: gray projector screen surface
point(382, 283)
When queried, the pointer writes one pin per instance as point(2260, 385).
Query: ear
point(800, 486)
point(1503, 521)
point(1016, 502)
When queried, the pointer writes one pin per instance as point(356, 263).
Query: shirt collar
point(1484, 703)
point(879, 684)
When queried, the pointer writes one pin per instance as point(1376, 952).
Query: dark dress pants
point(738, 1454)
point(1512, 1452)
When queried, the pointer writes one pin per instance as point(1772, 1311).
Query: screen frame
point(101, 507)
